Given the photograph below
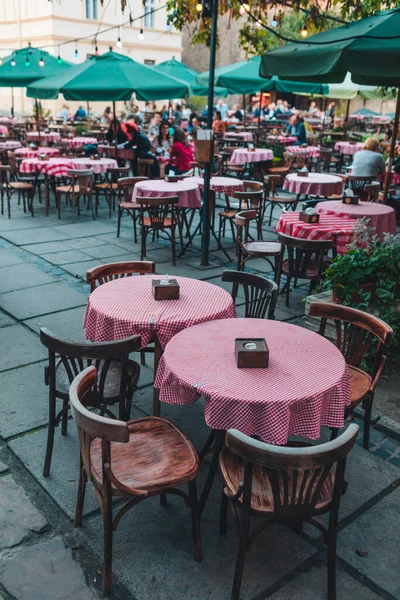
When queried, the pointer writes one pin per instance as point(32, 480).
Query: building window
point(92, 9)
point(149, 17)
point(149, 62)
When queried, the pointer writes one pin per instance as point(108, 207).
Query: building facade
point(50, 23)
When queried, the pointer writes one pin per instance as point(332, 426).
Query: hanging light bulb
point(76, 53)
point(59, 59)
point(27, 61)
point(274, 22)
point(168, 27)
point(41, 62)
point(304, 32)
point(141, 34)
point(119, 43)
point(13, 63)
point(199, 7)
point(96, 50)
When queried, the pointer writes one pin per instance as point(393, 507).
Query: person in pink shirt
point(181, 153)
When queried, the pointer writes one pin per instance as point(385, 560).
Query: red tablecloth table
point(347, 148)
point(29, 153)
point(188, 192)
point(329, 228)
point(285, 140)
point(4, 129)
point(55, 167)
point(318, 184)
point(292, 397)
point(98, 166)
point(110, 151)
point(242, 156)
point(221, 185)
point(308, 150)
point(246, 136)
point(380, 216)
point(54, 136)
point(10, 145)
point(79, 142)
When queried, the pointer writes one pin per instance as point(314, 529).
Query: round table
point(246, 136)
point(56, 167)
point(348, 148)
point(4, 129)
point(307, 150)
point(241, 156)
point(380, 216)
point(29, 153)
point(330, 228)
point(54, 136)
point(222, 185)
point(305, 386)
point(10, 145)
point(285, 140)
point(79, 142)
point(122, 152)
point(99, 166)
point(188, 192)
point(317, 184)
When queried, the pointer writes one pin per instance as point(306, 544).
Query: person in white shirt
point(222, 108)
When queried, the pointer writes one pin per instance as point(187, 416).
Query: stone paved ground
point(42, 557)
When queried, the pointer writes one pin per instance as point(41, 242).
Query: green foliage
point(80, 129)
point(277, 148)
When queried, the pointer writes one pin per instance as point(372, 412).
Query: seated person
point(80, 114)
point(368, 161)
point(143, 148)
point(296, 128)
point(155, 123)
point(115, 133)
point(218, 126)
point(181, 154)
point(237, 113)
point(160, 144)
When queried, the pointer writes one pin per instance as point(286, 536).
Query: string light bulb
point(119, 43)
point(76, 53)
point(199, 7)
point(274, 22)
point(27, 61)
point(304, 32)
point(41, 61)
point(59, 59)
point(13, 62)
point(141, 34)
point(96, 50)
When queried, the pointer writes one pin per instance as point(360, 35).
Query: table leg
point(158, 352)
point(218, 445)
point(46, 193)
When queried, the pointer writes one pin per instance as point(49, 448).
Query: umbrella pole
point(87, 114)
point(37, 120)
point(259, 111)
point(12, 102)
point(346, 118)
point(244, 108)
point(392, 148)
point(116, 137)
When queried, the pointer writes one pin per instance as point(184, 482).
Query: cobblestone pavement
point(43, 262)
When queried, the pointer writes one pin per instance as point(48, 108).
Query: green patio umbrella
point(109, 77)
point(176, 69)
point(369, 49)
point(365, 112)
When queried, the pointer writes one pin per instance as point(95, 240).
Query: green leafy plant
point(80, 129)
point(277, 148)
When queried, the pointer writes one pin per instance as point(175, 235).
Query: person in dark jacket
point(115, 133)
point(142, 145)
point(298, 130)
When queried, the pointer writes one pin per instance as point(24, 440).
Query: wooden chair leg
point(367, 422)
point(287, 291)
point(241, 556)
point(173, 246)
point(332, 536)
point(80, 500)
point(194, 507)
point(107, 556)
point(64, 419)
point(223, 515)
point(50, 436)
point(143, 243)
point(120, 211)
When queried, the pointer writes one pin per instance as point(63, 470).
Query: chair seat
point(311, 271)
point(360, 384)
point(106, 186)
point(270, 248)
point(129, 205)
point(278, 170)
point(282, 199)
point(65, 189)
point(236, 168)
point(166, 223)
point(262, 500)
point(19, 185)
point(112, 383)
point(228, 214)
point(157, 456)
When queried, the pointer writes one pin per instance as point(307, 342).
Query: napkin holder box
point(43, 157)
point(251, 358)
point(306, 218)
point(351, 200)
point(95, 157)
point(251, 149)
point(204, 151)
point(302, 173)
point(171, 178)
point(166, 292)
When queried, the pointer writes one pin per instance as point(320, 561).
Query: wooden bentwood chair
point(118, 377)
point(135, 460)
point(260, 293)
point(126, 186)
point(282, 483)
point(80, 186)
point(355, 333)
point(159, 215)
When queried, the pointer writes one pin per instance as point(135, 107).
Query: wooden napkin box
point(165, 292)
point(255, 357)
point(351, 200)
point(43, 157)
point(171, 178)
point(306, 218)
point(302, 173)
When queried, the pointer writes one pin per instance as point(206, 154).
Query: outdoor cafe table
point(188, 192)
point(79, 142)
point(126, 307)
point(10, 145)
point(246, 136)
point(99, 166)
point(54, 167)
point(3, 129)
point(221, 185)
point(110, 151)
point(307, 150)
point(285, 140)
point(47, 137)
point(316, 184)
point(348, 148)
point(29, 153)
point(305, 386)
point(242, 156)
point(330, 228)
point(381, 216)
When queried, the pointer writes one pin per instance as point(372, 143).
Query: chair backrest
point(371, 191)
point(303, 253)
point(12, 161)
point(5, 174)
point(250, 200)
point(355, 332)
point(357, 184)
point(127, 184)
point(271, 181)
point(157, 210)
point(325, 157)
point(298, 476)
point(144, 166)
point(77, 356)
point(252, 186)
point(83, 178)
point(115, 173)
point(260, 293)
point(104, 273)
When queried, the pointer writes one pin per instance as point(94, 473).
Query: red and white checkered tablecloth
point(221, 185)
point(329, 228)
point(348, 148)
point(305, 386)
point(285, 140)
point(10, 145)
point(318, 184)
point(53, 136)
point(308, 150)
point(241, 156)
point(110, 151)
point(4, 129)
point(126, 307)
point(246, 136)
point(54, 167)
point(29, 153)
point(79, 142)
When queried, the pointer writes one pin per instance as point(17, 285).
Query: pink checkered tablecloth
point(329, 228)
point(10, 145)
point(126, 307)
point(54, 167)
point(292, 396)
point(29, 153)
point(308, 150)
point(79, 142)
point(380, 216)
point(246, 136)
point(98, 166)
point(241, 156)
point(33, 136)
point(316, 184)
point(347, 148)
point(3, 129)
point(222, 185)
point(188, 192)
point(285, 140)
point(110, 151)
